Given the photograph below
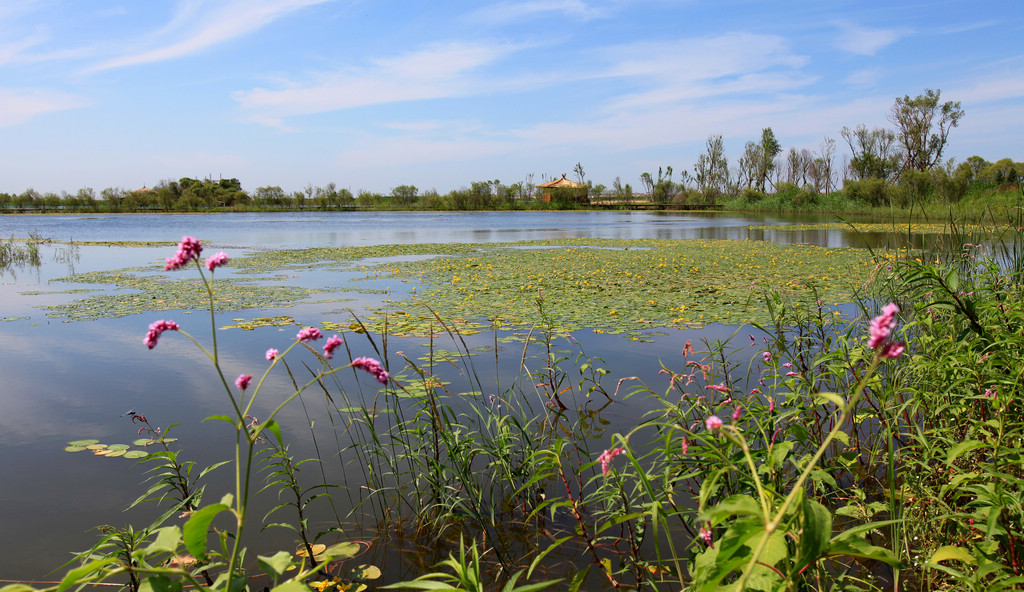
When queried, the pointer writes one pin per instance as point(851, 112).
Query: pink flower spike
point(712, 423)
point(188, 249)
point(718, 387)
point(243, 380)
point(882, 325)
point(686, 446)
point(309, 334)
point(272, 354)
point(607, 456)
point(216, 261)
point(736, 413)
point(893, 350)
point(332, 344)
point(373, 367)
point(156, 329)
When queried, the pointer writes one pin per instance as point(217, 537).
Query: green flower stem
point(773, 524)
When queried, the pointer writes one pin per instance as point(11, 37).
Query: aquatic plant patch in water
point(165, 292)
point(913, 228)
point(610, 286)
point(617, 286)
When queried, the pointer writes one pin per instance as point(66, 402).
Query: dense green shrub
point(873, 192)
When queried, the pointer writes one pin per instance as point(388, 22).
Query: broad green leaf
point(84, 442)
point(960, 448)
point(136, 454)
point(344, 550)
point(160, 584)
point(858, 547)
point(275, 565)
point(198, 526)
point(17, 588)
point(734, 505)
point(73, 576)
point(832, 398)
point(167, 540)
point(817, 531)
point(953, 553)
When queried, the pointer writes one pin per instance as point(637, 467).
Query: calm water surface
point(62, 381)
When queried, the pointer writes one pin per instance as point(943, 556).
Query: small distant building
point(563, 186)
point(144, 190)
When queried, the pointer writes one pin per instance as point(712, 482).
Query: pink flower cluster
point(272, 354)
point(188, 249)
point(373, 367)
point(607, 456)
point(881, 328)
point(243, 380)
point(705, 535)
point(156, 329)
point(309, 334)
point(713, 423)
point(332, 344)
point(216, 261)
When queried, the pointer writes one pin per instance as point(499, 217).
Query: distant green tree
point(770, 148)
point(712, 169)
point(404, 195)
point(876, 154)
point(661, 188)
point(923, 127)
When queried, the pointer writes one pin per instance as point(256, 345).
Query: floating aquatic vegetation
point(161, 293)
point(652, 283)
point(124, 243)
point(606, 285)
point(913, 228)
point(110, 450)
point(249, 325)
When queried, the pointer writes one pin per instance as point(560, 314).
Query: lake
point(68, 380)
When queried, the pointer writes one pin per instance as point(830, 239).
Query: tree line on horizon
point(884, 167)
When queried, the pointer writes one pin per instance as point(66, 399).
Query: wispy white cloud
point(866, 41)
point(12, 50)
point(504, 12)
point(20, 105)
point(690, 69)
point(208, 24)
point(864, 78)
point(435, 71)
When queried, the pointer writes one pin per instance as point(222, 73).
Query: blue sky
point(372, 94)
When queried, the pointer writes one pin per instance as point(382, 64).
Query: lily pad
point(136, 454)
point(83, 442)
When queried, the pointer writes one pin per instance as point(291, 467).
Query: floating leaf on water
point(74, 448)
point(83, 442)
point(366, 572)
point(117, 452)
point(136, 454)
point(96, 446)
point(317, 549)
point(144, 442)
point(119, 447)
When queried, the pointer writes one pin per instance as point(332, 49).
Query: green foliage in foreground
point(822, 464)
